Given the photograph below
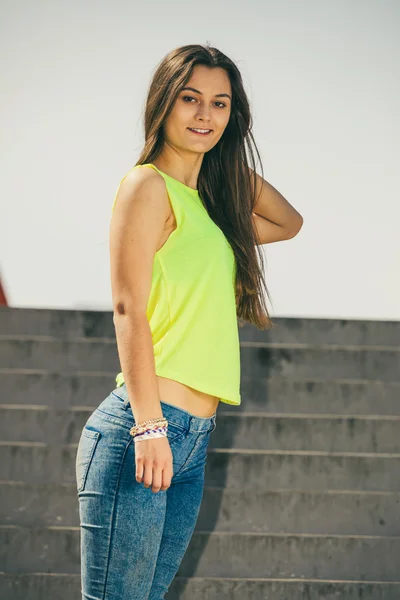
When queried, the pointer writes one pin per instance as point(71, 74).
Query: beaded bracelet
point(153, 428)
point(151, 434)
point(150, 422)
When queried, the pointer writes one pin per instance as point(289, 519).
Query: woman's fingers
point(157, 478)
point(154, 477)
point(139, 469)
point(148, 474)
point(167, 476)
point(154, 464)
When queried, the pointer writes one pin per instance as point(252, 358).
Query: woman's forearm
point(136, 355)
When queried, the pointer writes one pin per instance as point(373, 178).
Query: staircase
point(302, 496)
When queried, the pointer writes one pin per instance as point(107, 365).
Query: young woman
point(186, 222)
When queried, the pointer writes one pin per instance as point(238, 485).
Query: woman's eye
point(191, 98)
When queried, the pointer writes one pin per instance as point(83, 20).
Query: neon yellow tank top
point(191, 308)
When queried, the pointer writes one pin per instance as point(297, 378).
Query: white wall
point(323, 81)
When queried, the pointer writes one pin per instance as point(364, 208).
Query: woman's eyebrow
point(198, 92)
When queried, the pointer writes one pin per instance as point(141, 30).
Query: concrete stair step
point(31, 586)
point(313, 395)
point(216, 554)
point(228, 468)
point(259, 431)
point(274, 394)
point(70, 324)
point(297, 432)
point(258, 359)
point(291, 330)
point(272, 511)
point(58, 323)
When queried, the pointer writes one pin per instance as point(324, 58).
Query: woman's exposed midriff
point(193, 401)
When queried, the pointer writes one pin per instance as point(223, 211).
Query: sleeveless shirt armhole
point(174, 209)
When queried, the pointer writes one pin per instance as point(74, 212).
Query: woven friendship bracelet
point(149, 432)
point(141, 428)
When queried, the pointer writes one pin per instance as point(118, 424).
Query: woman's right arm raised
point(137, 224)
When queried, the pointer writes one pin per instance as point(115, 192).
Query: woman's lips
point(197, 133)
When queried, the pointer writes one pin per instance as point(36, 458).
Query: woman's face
point(206, 106)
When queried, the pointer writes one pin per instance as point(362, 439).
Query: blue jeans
point(133, 539)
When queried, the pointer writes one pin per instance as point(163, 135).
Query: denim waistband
point(172, 413)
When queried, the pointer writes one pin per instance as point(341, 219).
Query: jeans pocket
point(175, 431)
point(86, 447)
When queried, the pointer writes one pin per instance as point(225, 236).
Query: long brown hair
point(224, 181)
